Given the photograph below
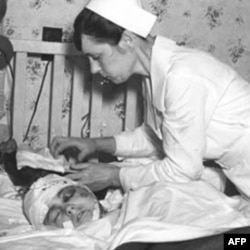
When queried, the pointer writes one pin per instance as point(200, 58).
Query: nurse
point(196, 107)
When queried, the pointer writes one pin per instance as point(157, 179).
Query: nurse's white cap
point(128, 14)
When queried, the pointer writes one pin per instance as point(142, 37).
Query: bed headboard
point(86, 97)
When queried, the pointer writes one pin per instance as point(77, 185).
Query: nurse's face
point(112, 62)
point(72, 203)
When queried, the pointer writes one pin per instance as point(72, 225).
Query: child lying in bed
point(49, 198)
point(58, 201)
point(159, 212)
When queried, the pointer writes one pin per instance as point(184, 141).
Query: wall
point(220, 27)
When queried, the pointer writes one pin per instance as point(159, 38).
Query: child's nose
point(71, 210)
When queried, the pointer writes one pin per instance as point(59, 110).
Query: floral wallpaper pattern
point(220, 27)
point(159, 8)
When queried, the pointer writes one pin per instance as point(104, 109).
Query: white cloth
point(41, 160)
point(7, 189)
point(174, 212)
point(126, 14)
point(200, 109)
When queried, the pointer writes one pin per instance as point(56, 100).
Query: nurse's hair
point(102, 30)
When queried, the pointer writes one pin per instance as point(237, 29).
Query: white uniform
point(199, 108)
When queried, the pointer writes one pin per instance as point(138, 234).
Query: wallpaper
point(220, 27)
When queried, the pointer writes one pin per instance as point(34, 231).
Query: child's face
point(73, 203)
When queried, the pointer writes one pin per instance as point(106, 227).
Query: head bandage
point(126, 13)
point(41, 193)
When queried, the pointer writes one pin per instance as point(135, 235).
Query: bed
point(71, 98)
point(148, 215)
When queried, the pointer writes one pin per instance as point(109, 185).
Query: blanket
point(160, 212)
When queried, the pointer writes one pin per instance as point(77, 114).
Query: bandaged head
point(41, 194)
point(128, 14)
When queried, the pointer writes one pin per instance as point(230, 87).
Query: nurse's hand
point(81, 148)
point(97, 176)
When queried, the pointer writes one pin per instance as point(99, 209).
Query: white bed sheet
point(158, 213)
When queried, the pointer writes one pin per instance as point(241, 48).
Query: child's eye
point(67, 195)
point(57, 213)
point(52, 216)
point(96, 58)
